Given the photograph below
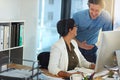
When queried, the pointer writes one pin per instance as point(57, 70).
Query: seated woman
point(64, 54)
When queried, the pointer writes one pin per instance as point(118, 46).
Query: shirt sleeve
point(108, 24)
point(54, 60)
point(76, 18)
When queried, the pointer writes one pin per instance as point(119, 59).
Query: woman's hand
point(92, 66)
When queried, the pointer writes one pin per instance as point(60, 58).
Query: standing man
point(90, 22)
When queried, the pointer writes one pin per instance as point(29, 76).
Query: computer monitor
point(110, 42)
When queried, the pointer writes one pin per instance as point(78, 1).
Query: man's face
point(94, 10)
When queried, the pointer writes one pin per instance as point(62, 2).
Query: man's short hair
point(98, 2)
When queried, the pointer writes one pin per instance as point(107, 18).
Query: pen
point(81, 73)
point(91, 76)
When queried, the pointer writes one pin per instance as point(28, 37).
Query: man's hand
point(84, 45)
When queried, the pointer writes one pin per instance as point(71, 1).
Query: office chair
point(43, 59)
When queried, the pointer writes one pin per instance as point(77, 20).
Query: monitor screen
point(110, 42)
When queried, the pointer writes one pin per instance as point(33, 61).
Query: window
point(50, 13)
point(78, 5)
point(48, 18)
point(51, 1)
point(117, 15)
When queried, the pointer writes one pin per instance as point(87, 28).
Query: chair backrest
point(43, 59)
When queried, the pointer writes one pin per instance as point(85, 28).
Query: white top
point(59, 57)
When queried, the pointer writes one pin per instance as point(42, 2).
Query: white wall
point(9, 10)
point(23, 10)
point(29, 12)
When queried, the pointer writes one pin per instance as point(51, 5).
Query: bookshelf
point(12, 40)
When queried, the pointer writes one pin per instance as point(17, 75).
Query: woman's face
point(74, 31)
point(94, 10)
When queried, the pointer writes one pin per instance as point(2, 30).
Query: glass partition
point(49, 14)
point(117, 15)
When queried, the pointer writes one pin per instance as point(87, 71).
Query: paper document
point(85, 71)
point(45, 77)
point(4, 67)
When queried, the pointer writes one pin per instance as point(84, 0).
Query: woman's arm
point(66, 74)
point(54, 60)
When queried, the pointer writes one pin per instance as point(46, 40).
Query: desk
point(18, 66)
point(44, 71)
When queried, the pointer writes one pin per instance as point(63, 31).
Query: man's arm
point(84, 45)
